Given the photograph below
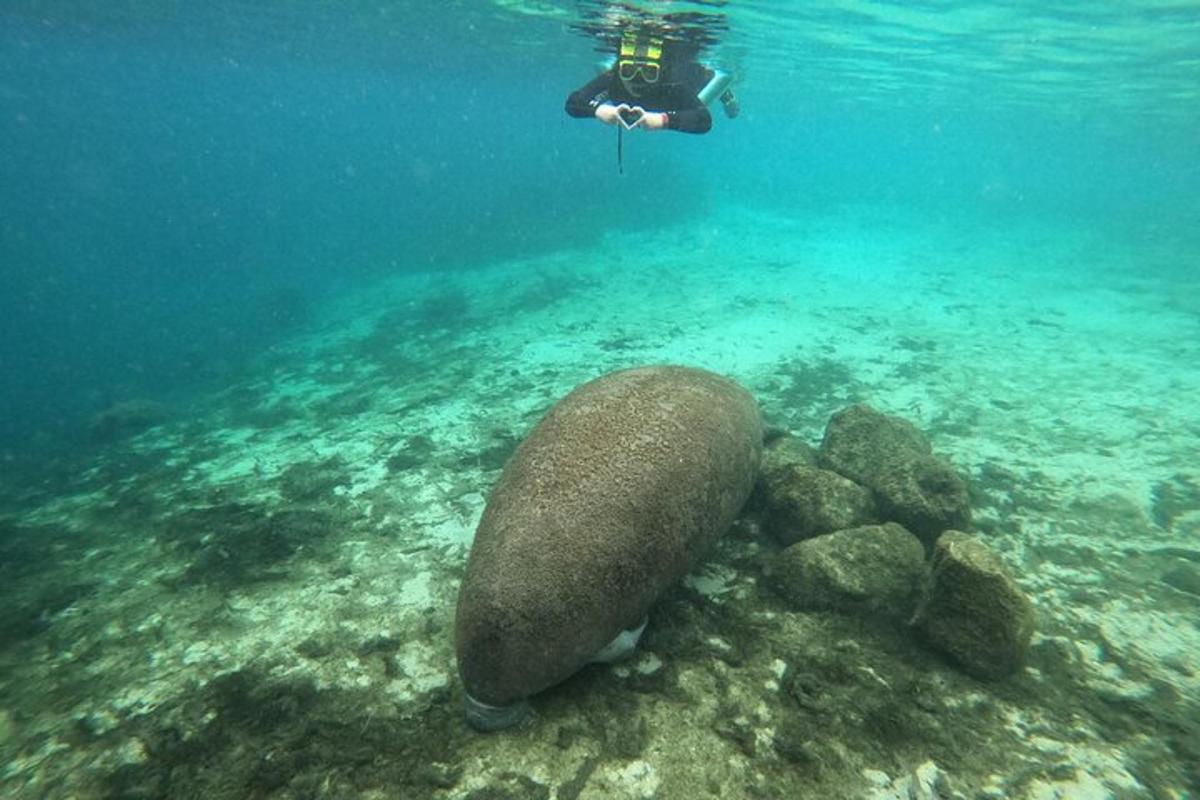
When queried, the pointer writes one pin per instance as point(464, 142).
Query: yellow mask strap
point(641, 48)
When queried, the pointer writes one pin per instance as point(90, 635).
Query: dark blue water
point(182, 187)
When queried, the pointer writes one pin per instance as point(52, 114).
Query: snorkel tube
point(716, 85)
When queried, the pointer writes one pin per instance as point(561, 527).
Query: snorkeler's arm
point(692, 118)
point(584, 101)
point(681, 111)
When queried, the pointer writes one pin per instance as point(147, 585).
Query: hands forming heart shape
point(630, 116)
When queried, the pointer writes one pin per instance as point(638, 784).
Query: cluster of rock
point(872, 522)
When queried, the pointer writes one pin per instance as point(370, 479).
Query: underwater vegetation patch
point(743, 302)
point(1183, 577)
point(1008, 496)
point(916, 369)
point(415, 367)
point(549, 287)
point(447, 307)
point(234, 543)
point(249, 735)
point(27, 610)
point(515, 786)
point(888, 706)
point(313, 481)
point(1174, 498)
point(124, 419)
point(400, 339)
point(275, 415)
point(28, 549)
point(30, 591)
point(123, 470)
point(493, 452)
point(443, 307)
point(809, 390)
point(349, 402)
point(1163, 761)
point(916, 345)
point(954, 421)
point(415, 451)
point(622, 343)
point(389, 334)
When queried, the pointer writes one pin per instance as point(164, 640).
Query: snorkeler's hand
point(608, 114)
point(653, 120)
point(631, 117)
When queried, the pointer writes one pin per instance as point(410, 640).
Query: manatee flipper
point(622, 646)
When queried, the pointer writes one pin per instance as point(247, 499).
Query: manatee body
point(612, 497)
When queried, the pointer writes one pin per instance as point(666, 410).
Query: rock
point(786, 451)
point(858, 437)
point(892, 458)
point(618, 491)
point(781, 452)
point(801, 502)
point(440, 775)
point(925, 495)
point(510, 786)
point(634, 780)
point(973, 610)
point(873, 568)
point(924, 782)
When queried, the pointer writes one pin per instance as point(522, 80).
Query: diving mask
point(640, 58)
point(630, 71)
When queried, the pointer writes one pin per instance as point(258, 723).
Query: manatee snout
point(611, 498)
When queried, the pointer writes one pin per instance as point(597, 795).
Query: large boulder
point(611, 498)
point(973, 610)
point(892, 458)
point(800, 502)
point(781, 451)
point(873, 568)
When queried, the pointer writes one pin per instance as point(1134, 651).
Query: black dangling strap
point(620, 159)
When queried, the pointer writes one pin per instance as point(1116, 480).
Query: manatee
point(611, 498)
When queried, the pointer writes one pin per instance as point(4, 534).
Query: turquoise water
point(285, 286)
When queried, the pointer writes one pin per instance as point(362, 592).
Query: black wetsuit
point(675, 94)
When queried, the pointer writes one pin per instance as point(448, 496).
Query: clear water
point(191, 164)
point(334, 259)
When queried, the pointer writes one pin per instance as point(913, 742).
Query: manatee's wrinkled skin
point(614, 495)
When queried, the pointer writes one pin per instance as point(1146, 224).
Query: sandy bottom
point(255, 599)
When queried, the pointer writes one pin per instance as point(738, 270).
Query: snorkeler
point(654, 84)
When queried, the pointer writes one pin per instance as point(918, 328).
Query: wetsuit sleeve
point(685, 112)
point(695, 119)
point(583, 101)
